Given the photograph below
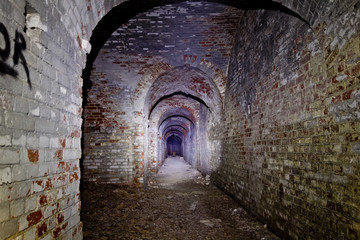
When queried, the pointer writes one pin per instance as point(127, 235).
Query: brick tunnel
point(262, 97)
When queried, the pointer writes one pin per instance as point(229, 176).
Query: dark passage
point(174, 146)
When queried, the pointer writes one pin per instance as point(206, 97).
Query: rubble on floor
point(189, 211)
point(203, 180)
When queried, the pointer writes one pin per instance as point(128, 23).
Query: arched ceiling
point(176, 123)
point(176, 132)
point(178, 127)
point(175, 120)
point(177, 105)
point(174, 137)
point(177, 114)
point(192, 39)
point(187, 82)
point(127, 10)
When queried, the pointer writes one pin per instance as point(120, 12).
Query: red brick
point(73, 177)
point(42, 229)
point(336, 99)
point(76, 134)
point(356, 70)
point(33, 156)
point(347, 95)
point(34, 217)
point(62, 142)
point(58, 155)
point(43, 200)
point(60, 218)
point(57, 232)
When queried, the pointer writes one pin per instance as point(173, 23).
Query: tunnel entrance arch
point(210, 111)
point(186, 101)
point(289, 4)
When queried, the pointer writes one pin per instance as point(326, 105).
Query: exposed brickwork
point(33, 156)
point(290, 95)
point(194, 34)
point(39, 110)
point(110, 133)
point(130, 79)
point(291, 127)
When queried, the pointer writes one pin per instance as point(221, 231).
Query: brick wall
point(290, 151)
point(43, 52)
point(111, 134)
point(40, 122)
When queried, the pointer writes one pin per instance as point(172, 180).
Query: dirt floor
point(179, 204)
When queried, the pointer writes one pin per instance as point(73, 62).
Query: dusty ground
point(178, 205)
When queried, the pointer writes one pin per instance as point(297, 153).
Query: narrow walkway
point(174, 171)
point(179, 205)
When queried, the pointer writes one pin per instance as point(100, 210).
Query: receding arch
point(173, 94)
point(175, 116)
point(178, 125)
point(186, 81)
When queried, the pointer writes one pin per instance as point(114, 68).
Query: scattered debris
point(170, 209)
point(207, 178)
point(182, 194)
point(193, 206)
point(207, 223)
point(196, 193)
point(211, 223)
point(203, 180)
point(238, 212)
point(190, 212)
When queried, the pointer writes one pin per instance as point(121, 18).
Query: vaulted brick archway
point(286, 75)
point(190, 95)
point(118, 12)
point(262, 64)
point(170, 118)
point(137, 77)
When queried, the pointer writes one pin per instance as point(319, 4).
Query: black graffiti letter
point(20, 45)
point(5, 52)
